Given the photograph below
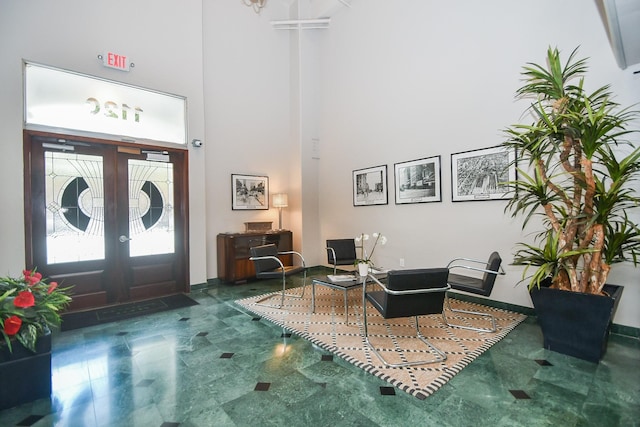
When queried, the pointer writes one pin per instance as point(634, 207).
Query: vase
point(363, 268)
point(25, 376)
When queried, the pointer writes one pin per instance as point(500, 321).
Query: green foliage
point(569, 174)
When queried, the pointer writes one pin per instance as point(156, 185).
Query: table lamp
point(280, 200)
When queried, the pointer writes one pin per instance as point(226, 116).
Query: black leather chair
point(341, 252)
point(269, 266)
point(408, 293)
point(480, 284)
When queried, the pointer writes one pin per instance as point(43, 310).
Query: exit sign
point(115, 60)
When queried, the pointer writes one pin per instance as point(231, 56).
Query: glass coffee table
point(341, 282)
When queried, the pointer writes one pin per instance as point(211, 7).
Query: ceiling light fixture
point(257, 5)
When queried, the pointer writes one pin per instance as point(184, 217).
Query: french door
point(106, 218)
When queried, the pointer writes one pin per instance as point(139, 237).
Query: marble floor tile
point(215, 365)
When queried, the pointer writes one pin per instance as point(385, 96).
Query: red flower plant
point(24, 299)
point(12, 325)
point(32, 277)
point(29, 307)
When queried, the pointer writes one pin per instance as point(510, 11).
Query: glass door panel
point(74, 200)
point(151, 215)
point(103, 218)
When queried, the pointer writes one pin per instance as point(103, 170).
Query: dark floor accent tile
point(285, 335)
point(145, 383)
point(183, 319)
point(167, 424)
point(387, 391)
point(543, 362)
point(30, 420)
point(262, 387)
point(327, 358)
point(202, 334)
point(255, 319)
point(519, 394)
point(575, 387)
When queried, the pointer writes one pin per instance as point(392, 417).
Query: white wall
point(164, 40)
point(403, 80)
point(246, 91)
point(305, 62)
point(390, 81)
point(228, 62)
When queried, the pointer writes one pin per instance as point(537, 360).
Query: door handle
point(123, 239)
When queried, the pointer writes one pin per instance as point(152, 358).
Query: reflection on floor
point(215, 365)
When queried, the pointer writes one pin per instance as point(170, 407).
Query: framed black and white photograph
point(370, 186)
point(482, 174)
point(418, 181)
point(249, 192)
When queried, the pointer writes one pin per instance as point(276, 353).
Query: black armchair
point(341, 252)
point(475, 284)
point(269, 266)
point(408, 293)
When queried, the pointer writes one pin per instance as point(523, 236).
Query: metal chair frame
point(489, 316)
point(285, 272)
point(440, 356)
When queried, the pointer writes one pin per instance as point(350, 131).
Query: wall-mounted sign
point(64, 99)
point(117, 61)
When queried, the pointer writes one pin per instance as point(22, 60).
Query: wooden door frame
point(181, 208)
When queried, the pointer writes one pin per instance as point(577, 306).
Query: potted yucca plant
point(575, 170)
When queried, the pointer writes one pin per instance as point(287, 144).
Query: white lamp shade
point(280, 200)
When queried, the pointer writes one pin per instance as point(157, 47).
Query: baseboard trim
point(628, 331)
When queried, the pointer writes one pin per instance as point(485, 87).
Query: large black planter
point(25, 376)
point(574, 323)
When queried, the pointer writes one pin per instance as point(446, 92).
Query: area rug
point(114, 313)
point(395, 338)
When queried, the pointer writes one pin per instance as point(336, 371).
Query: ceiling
point(621, 19)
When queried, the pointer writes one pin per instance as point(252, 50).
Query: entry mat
point(114, 313)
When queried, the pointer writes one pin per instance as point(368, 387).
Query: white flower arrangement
point(361, 239)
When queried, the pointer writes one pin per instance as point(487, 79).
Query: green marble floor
point(215, 365)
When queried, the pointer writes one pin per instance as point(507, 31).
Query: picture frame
point(249, 192)
point(370, 186)
point(418, 181)
point(482, 174)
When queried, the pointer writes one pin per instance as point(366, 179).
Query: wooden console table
point(233, 252)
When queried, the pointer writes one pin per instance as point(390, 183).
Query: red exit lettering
point(113, 60)
point(118, 61)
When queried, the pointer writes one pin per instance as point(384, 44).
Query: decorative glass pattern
point(151, 223)
point(74, 203)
